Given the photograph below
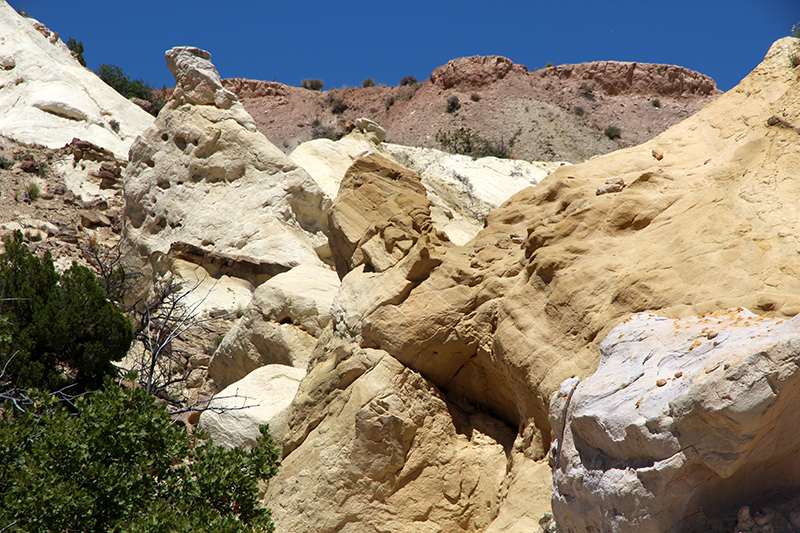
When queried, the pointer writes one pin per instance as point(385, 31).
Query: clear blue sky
point(342, 42)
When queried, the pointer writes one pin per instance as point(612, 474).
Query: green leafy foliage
point(465, 141)
point(796, 31)
point(56, 329)
point(76, 47)
point(114, 461)
point(122, 83)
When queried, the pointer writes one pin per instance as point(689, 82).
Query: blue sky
point(342, 42)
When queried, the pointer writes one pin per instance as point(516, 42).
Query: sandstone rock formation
point(682, 421)
point(48, 98)
point(497, 325)
point(233, 417)
point(470, 73)
point(462, 190)
point(204, 177)
point(286, 315)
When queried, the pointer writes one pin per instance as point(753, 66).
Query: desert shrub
point(475, 97)
point(796, 31)
point(33, 192)
point(76, 47)
point(453, 104)
point(548, 65)
point(465, 141)
point(389, 102)
point(6, 163)
point(655, 102)
point(339, 106)
point(368, 82)
point(794, 60)
point(313, 84)
point(409, 80)
point(579, 111)
point(612, 132)
point(122, 83)
point(113, 460)
point(55, 329)
point(587, 87)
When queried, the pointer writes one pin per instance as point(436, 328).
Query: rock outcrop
point(205, 177)
point(233, 417)
point(497, 325)
point(684, 421)
point(48, 98)
point(464, 190)
point(286, 316)
point(620, 77)
point(461, 189)
point(470, 73)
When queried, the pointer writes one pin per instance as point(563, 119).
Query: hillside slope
point(560, 112)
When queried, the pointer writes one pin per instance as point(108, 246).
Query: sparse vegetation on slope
point(465, 141)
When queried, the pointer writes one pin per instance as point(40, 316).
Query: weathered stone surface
point(463, 190)
point(302, 296)
point(384, 451)
point(48, 98)
point(287, 314)
point(326, 161)
point(254, 342)
point(204, 176)
point(473, 72)
point(682, 421)
point(619, 77)
point(501, 322)
point(235, 413)
point(380, 212)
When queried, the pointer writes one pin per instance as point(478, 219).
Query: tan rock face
point(384, 451)
point(379, 214)
point(502, 321)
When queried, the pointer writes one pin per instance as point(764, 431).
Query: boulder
point(287, 313)
point(205, 177)
point(463, 190)
point(684, 421)
point(232, 418)
point(326, 161)
point(48, 98)
point(379, 214)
